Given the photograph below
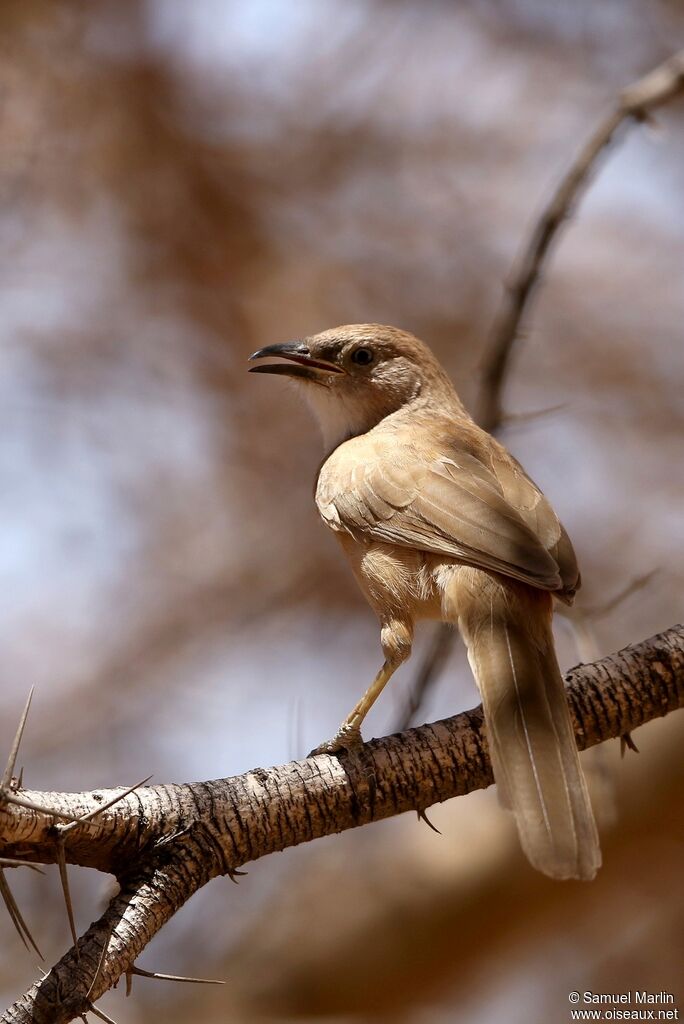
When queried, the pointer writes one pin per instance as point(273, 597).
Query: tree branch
point(163, 843)
point(635, 104)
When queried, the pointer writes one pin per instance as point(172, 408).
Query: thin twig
point(635, 103)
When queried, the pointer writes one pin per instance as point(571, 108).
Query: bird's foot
point(347, 740)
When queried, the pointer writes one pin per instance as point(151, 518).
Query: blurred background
point(181, 184)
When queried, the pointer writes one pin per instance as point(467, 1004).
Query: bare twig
point(635, 103)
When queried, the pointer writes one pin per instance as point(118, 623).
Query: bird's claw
point(347, 740)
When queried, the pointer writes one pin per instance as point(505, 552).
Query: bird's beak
point(300, 363)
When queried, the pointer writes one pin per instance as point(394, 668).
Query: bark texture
point(163, 843)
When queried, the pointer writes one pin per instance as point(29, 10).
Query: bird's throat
point(338, 417)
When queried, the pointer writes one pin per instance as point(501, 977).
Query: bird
point(439, 521)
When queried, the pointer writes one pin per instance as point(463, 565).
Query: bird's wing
point(470, 501)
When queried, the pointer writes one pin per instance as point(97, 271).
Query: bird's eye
point(362, 356)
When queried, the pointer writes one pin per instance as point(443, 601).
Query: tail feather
point(507, 629)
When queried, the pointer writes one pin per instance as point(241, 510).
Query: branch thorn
point(14, 751)
point(100, 1013)
point(64, 879)
point(16, 916)
point(11, 862)
point(133, 970)
point(422, 816)
point(627, 743)
point(87, 819)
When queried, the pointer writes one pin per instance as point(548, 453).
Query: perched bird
point(439, 521)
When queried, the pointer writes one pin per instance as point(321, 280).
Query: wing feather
point(472, 503)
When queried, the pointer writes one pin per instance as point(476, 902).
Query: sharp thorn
point(100, 1013)
point(110, 803)
point(14, 751)
point(11, 798)
point(234, 874)
point(170, 977)
point(16, 916)
point(87, 819)
point(9, 862)
point(422, 816)
point(627, 743)
point(64, 879)
point(12, 908)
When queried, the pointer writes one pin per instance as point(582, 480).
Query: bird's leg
point(348, 736)
point(396, 640)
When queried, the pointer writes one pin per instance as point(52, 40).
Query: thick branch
point(165, 842)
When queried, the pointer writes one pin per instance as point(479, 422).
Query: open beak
point(299, 362)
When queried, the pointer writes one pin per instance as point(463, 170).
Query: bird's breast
point(336, 477)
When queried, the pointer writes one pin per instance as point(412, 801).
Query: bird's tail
point(507, 629)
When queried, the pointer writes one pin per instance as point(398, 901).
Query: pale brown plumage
point(439, 521)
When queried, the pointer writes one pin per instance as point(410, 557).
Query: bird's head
point(354, 376)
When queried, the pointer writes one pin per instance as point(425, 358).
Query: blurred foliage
point(182, 183)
